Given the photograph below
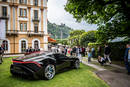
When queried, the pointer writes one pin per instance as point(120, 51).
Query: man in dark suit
point(1, 54)
point(127, 58)
point(107, 52)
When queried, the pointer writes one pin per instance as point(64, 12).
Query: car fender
point(49, 60)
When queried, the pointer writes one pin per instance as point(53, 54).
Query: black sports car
point(42, 65)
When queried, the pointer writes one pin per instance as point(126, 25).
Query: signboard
point(2, 30)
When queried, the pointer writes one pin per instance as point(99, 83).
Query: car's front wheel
point(76, 64)
point(49, 71)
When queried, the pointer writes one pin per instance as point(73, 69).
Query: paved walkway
point(94, 66)
point(116, 77)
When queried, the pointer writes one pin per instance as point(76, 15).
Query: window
point(5, 45)
point(35, 14)
point(23, 12)
point(36, 28)
point(36, 2)
point(36, 44)
point(4, 11)
point(23, 26)
point(23, 46)
point(23, 1)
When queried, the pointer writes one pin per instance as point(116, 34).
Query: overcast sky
point(57, 14)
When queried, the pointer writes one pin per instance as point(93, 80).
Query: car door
point(61, 61)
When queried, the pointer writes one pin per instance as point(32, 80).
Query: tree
point(75, 36)
point(58, 31)
point(63, 41)
point(87, 37)
point(103, 12)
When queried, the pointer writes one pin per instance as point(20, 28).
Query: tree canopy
point(109, 15)
point(87, 37)
point(75, 36)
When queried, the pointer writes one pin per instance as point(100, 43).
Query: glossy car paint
point(33, 65)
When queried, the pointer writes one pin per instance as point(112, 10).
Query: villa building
point(25, 24)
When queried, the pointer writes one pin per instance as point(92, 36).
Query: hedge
point(117, 49)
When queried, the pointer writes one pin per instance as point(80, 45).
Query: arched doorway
point(36, 44)
point(5, 45)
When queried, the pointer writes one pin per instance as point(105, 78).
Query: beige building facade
point(26, 24)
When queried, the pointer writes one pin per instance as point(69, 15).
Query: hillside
point(58, 31)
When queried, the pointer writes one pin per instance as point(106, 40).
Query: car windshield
point(32, 55)
point(59, 56)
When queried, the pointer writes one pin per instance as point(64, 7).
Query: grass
point(83, 77)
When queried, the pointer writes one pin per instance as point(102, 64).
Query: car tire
point(76, 64)
point(49, 71)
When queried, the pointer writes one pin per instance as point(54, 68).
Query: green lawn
point(83, 77)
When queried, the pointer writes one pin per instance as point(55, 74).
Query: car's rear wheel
point(49, 71)
point(76, 64)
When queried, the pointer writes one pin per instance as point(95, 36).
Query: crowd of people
point(74, 51)
point(31, 50)
point(107, 51)
point(82, 52)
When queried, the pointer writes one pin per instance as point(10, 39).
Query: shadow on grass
point(25, 79)
point(30, 79)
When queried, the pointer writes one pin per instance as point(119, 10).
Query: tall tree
point(75, 36)
point(103, 12)
point(87, 37)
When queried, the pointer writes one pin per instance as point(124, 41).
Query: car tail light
point(38, 64)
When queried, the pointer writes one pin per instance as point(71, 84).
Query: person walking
point(83, 51)
point(107, 52)
point(1, 54)
point(78, 53)
point(65, 50)
point(93, 52)
point(89, 54)
point(127, 58)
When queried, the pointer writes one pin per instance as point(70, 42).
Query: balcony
point(4, 17)
point(13, 4)
point(33, 33)
point(35, 19)
point(12, 32)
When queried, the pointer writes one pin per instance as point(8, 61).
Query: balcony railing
point(35, 33)
point(29, 33)
point(4, 17)
point(35, 19)
point(12, 32)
